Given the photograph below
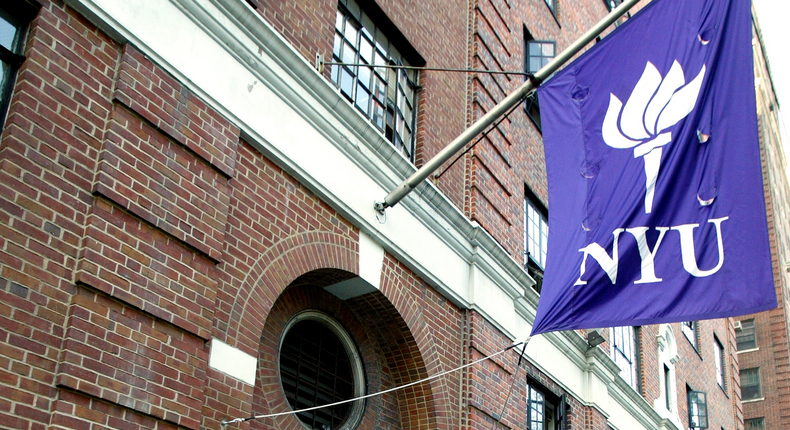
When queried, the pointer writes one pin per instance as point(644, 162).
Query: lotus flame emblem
point(654, 106)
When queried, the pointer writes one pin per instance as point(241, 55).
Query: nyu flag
point(656, 200)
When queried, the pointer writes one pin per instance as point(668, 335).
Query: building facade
point(189, 236)
point(762, 339)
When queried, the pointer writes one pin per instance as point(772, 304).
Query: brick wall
point(48, 157)
point(136, 227)
point(309, 27)
point(773, 327)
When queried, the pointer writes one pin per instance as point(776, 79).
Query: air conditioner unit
point(738, 325)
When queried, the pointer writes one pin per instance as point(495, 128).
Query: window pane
point(718, 351)
point(379, 89)
point(548, 49)
point(346, 82)
point(690, 331)
point(339, 21)
point(349, 54)
point(534, 64)
point(351, 32)
point(750, 384)
point(755, 424)
point(366, 49)
point(364, 76)
point(363, 99)
point(534, 49)
point(746, 336)
point(379, 61)
point(7, 34)
point(375, 90)
point(536, 409)
point(315, 370)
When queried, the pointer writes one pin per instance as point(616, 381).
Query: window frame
point(548, 401)
point(18, 15)
point(624, 348)
point(531, 202)
point(612, 4)
point(357, 408)
point(759, 389)
point(719, 359)
point(392, 94)
point(531, 104)
point(690, 330)
point(696, 408)
point(749, 423)
point(748, 329)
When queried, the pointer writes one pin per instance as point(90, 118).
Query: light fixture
point(594, 338)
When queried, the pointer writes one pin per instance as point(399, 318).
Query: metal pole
point(515, 97)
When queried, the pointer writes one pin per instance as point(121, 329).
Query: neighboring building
point(187, 232)
point(764, 339)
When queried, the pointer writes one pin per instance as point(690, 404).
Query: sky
point(772, 16)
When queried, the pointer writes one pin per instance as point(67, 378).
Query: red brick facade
point(772, 328)
point(137, 226)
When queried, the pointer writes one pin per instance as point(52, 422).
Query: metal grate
point(315, 370)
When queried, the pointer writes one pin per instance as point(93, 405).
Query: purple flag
point(656, 202)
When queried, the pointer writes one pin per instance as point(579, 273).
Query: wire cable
point(225, 423)
point(512, 384)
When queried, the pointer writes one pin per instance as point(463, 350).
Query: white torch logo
point(654, 106)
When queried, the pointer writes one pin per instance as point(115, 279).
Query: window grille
point(698, 409)
point(315, 370)
point(750, 384)
point(387, 97)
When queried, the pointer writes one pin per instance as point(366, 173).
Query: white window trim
point(667, 356)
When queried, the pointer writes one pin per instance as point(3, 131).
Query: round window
point(319, 365)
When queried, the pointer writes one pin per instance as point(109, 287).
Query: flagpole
point(467, 135)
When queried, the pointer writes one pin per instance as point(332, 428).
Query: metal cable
point(224, 423)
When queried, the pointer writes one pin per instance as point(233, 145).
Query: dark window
point(698, 409)
point(386, 96)
point(14, 17)
point(536, 235)
point(536, 230)
point(611, 4)
point(315, 369)
point(624, 352)
point(718, 352)
point(668, 386)
point(690, 331)
point(754, 424)
point(545, 410)
point(746, 336)
point(750, 384)
point(537, 54)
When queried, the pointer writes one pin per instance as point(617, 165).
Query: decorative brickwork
point(119, 354)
